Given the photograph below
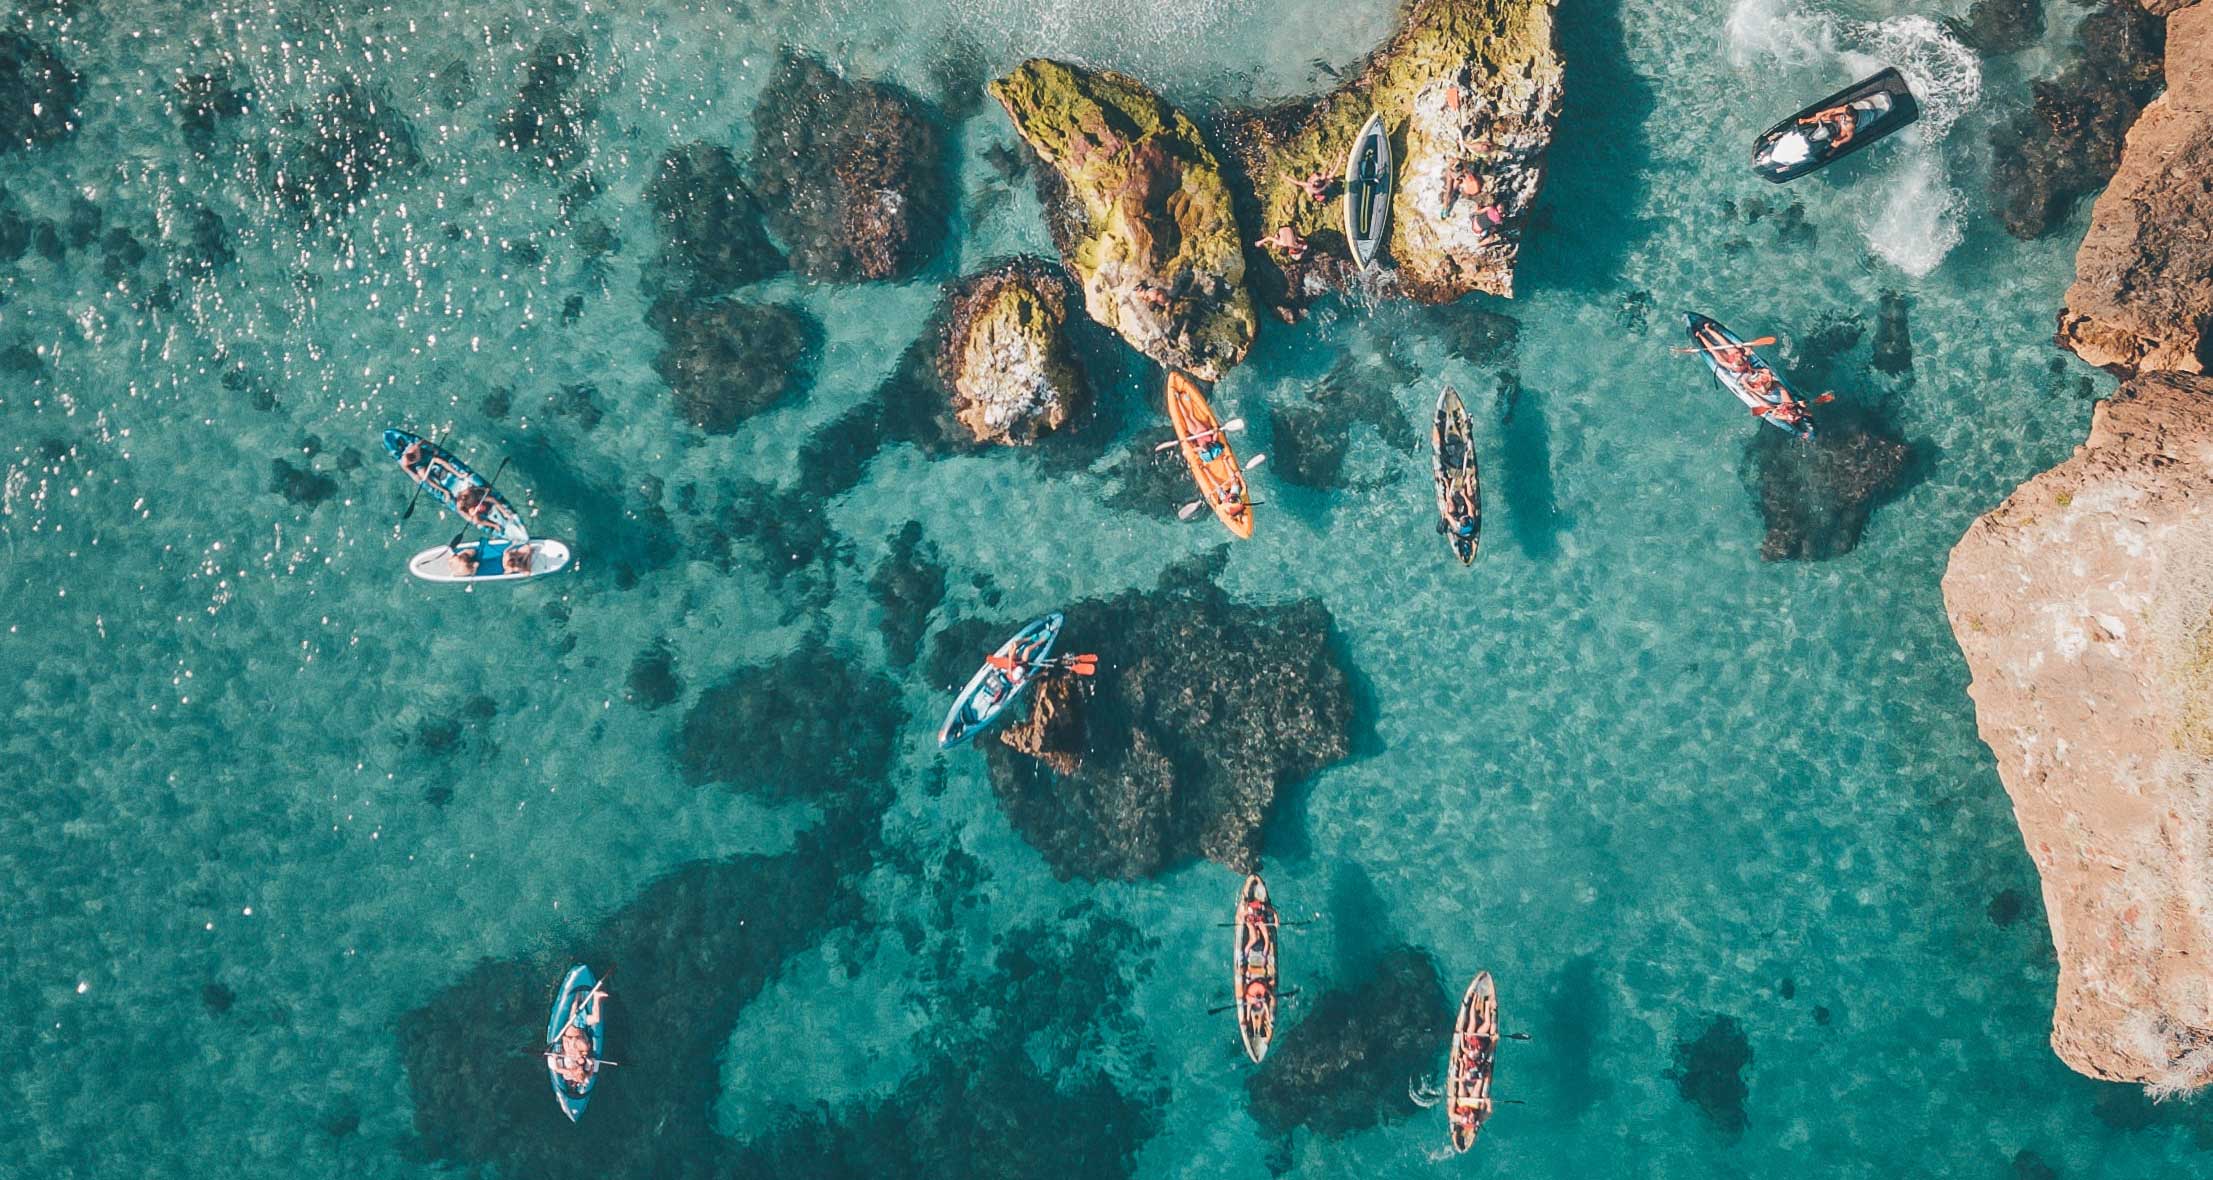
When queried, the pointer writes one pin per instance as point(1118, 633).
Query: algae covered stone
point(1142, 215)
point(1006, 354)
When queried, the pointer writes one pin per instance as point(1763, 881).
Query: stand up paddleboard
point(1800, 144)
point(547, 556)
point(1368, 190)
point(448, 478)
point(567, 1007)
point(992, 689)
point(1253, 970)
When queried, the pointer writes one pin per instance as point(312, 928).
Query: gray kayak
point(1368, 190)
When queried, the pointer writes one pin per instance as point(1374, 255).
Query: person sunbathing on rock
point(1287, 240)
point(1460, 181)
point(1317, 186)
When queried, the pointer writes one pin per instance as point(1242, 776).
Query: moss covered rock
point(1463, 83)
point(1142, 215)
point(1006, 357)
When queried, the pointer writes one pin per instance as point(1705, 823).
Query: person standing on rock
point(1287, 240)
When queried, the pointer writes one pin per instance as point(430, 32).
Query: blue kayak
point(1742, 372)
point(567, 1007)
point(448, 478)
point(991, 689)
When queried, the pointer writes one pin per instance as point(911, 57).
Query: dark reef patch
point(852, 174)
point(1893, 336)
point(1817, 497)
point(653, 682)
point(2006, 907)
point(712, 238)
point(1184, 757)
point(728, 361)
point(38, 94)
point(1310, 445)
point(908, 584)
point(1709, 1073)
point(1313, 438)
point(2067, 144)
point(203, 102)
point(324, 160)
point(300, 484)
point(791, 538)
point(766, 728)
point(548, 118)
point(2000, 26)
point(1344, 1067)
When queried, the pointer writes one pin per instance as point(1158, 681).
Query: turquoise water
point(266, 795)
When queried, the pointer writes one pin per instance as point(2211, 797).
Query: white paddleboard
point(547, 556)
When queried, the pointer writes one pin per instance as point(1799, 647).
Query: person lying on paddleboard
point(516, 560)
point(571, 1056)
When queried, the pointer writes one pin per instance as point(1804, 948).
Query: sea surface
point(1711, 821)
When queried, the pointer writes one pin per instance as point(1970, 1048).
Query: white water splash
point(1919, 220)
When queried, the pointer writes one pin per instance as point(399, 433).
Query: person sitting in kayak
point(1840, 121)
point(571, 1056)
point(415, 461)
point(516, 560)
point(1317, 186)
point(475, 505)
point(462, 563)
point(1233, 493)
point(1209, 444)
point(1287, 240)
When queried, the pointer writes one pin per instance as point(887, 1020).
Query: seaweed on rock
point(852, 174)
point(756, 731)
point(1344, 1066)
point(727, 361)
point(2068, 143)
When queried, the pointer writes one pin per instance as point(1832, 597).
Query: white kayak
point(547, 556)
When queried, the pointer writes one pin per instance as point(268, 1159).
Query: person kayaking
point(1233, 493)
point(1257, 996)
point(1259, 931)
point(516, 560)
point(475, 505)
point(1209, 444)
point(1317, 186)
point(571, 1056)
point(462, 563)
point(414, 461)
point(1287, 240)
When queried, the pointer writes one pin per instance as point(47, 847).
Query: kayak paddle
point(1762, 342)
point(412, 500)
point(1232, 424)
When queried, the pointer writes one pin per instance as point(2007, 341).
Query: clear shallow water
point(1572, 777)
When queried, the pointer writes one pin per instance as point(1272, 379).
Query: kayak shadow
point(1525, 440)
point(1571, 1025)
point(1586, 219)
point(1359, 921)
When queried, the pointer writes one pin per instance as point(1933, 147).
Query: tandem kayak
point(1742, 372)
point(545, 556)
point(1205, 447)
point(568, 1008)
point(1468, 1077)
point(1835, 127)
point(992, 688)
point(448, 478)
point(1368, 191)
point(1459, 487)
point(1254, 968)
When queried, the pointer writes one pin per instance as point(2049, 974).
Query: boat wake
point(1919, 220)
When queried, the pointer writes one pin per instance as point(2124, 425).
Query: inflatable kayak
point(448, 478)
point(1459, 489)
point(1835, 127)
point(1742, 372)
point(1254, 968)
point(992, 689)
point(1214, 467)
point(488, 560)
point(1368, 190)
point(1468, 1079)
point(568, 1008)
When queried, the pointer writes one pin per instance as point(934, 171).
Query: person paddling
point(571, 1056)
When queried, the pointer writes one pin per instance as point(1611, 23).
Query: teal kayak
point(448, 478)
point(568, 1007)
point(992, 689)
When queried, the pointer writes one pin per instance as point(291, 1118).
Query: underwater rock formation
point(2068, 142)
point(1462, 82)
point(2002, 26)
point(1140, 212)
point(1005, 354)
point(759, 731)
point(548, 118)
point(1312, 440)
point(324, 160)
point(653, 681)
point(728, 361)
point(712, 238)
point(1709, 1073)
point(1053, 732)
point(1344, 1067)
point(1182, 756)
point(2084, 605)
point(1816, 497)
point(851, 174)
point(908, 585)
point(38, 94)
point(2143, 292)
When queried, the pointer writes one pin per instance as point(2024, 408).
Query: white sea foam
point(1919, 219)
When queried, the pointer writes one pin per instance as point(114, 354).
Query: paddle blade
point(1234, 424)
point(1190, 510)
point(1255, 461)
point(1824, 399)
point(1164, 446)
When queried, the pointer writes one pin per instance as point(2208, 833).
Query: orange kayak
point(1468, 1078)
point(1206, 448)
point(1255, 962)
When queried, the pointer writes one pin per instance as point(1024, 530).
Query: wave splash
point(1920, 219)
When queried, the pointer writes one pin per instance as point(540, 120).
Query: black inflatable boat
point(1835, 127)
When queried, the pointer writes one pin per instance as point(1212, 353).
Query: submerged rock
point(1139, 211)
point(2143, 292)
point(728, 361)
point(1005, 354)
point(1474, 83)
point(653, 680)
point(2068, 142)
point(203, 101)
point(1816, 497)
point(1202, 710)
point(804, 727)
point(1709, 1073)
point(712, 238)
point(1346, 1066)
point(1053, 732)
point(548, 117)
point(324, 160)
point(2085, 612)
point(908, 585)
point(851, 174)
point(38, 94)
point(2001, 26)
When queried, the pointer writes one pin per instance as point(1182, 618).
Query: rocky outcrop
point(1816, 497)
point(1203, 709)
point(550, 114)
point(1140, 212)
point(850, 173)
point(1348, 1064)
point(1463, 83)
point(2067, 144)
point(325, 159)
point(1006, 357)
point(2084, 605)
point(2143, 292)
point(712, 238)
point(38, 94)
